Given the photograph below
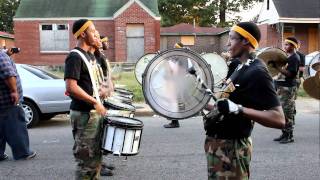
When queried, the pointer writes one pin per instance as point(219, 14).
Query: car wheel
point(31, 113)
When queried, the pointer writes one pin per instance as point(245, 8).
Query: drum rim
point(121, 124)
point(118, 107)
point(135, 66)
point(154, 59)
point(123, 91)
point(226, 65)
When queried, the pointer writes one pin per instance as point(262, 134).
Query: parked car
point(43, 94)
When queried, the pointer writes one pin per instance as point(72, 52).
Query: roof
point(188, 29)
point(298, 9)
point(76, 8)
point(6, 35)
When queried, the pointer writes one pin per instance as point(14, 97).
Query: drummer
point(86, 123)
point(107, 87)
point(228, 144)
point(287, 87)
point(174, 123)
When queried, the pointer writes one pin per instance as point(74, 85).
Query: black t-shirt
point(75, 68)
point(302, 62)
point(293, 68)
point(232, 66)
point(254, 89)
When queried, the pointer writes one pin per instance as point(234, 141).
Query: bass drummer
point(228, 144)
point(174, 123)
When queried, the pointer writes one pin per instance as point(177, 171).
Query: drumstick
point(192, 71)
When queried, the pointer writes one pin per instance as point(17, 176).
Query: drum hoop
point(125, 125)
point(221, 58)
point(154, 59)
point(135, 66)
point(123, 91)
point(119, 107)
point(311, 63)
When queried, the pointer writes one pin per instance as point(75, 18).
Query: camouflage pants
point(87, 132)
point(228, 159)
point(287, 99)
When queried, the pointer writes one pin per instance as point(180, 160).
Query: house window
point(187, 40)
point(268, 4)
point(288, 29)
point(54, 37)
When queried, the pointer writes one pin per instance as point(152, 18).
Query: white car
point(43, 94)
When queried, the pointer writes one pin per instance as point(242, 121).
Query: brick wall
point(271, 37)
point(203, 44)
point(136, 15)
point(27, 37)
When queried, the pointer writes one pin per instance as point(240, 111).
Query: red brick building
point(43, 28)
point(199, 39)
point(279, 19)
point(6, 40)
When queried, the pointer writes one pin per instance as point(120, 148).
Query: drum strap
point(89, 67)
point(239, 70)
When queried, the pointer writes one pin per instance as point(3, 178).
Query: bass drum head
point(141, 65)
point(170, 89)
point(315, 59)
point(218, 67)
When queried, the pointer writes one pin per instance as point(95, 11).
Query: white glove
point(225, 106)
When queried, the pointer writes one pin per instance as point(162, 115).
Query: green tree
point(7, 11)
point(202, 12)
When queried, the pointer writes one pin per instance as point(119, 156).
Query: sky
point(250, 13)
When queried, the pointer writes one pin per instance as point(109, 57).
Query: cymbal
point(312, 86)
point(316, 66)
point(278, 56)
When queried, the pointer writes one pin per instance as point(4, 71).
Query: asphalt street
point(175, 154)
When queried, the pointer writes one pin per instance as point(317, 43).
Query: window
point(187, 40)
point(268, 4)
point(54, 37)
point(288, 29)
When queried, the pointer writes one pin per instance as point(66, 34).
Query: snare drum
point(117, 105)
point(122, 135)
point(122, 113)
point(123, 91)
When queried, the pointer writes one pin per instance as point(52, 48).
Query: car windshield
point(40, 72)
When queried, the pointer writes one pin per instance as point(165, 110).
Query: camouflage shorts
point(87, 130)
point(287, 99)
point(228, 159)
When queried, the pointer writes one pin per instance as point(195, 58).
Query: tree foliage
point(7, 11)
point(202, 12)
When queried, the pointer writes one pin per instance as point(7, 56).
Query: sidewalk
point(304, 105)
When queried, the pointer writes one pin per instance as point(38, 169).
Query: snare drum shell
point(122, 138)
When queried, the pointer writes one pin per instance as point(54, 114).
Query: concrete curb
point(143, 109)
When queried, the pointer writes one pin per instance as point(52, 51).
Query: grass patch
point(302, 92)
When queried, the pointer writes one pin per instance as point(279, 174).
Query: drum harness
point(214, 116)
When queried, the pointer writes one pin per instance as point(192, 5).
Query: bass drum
point(310, 71)
point(141, 65)
point(218, 67)
point(170, 89)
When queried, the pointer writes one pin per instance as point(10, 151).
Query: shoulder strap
point(89, 67)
